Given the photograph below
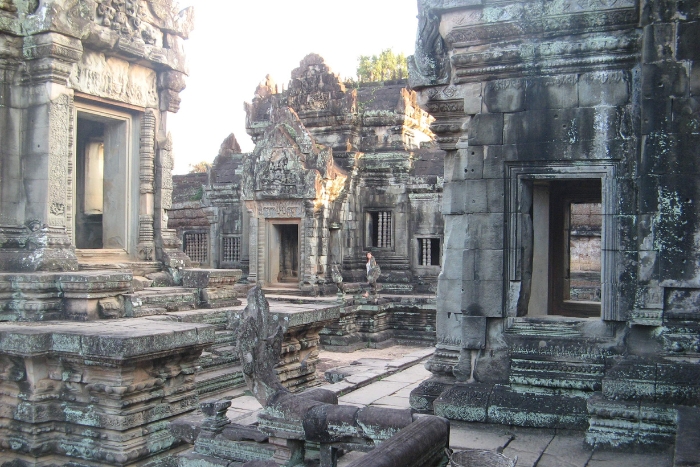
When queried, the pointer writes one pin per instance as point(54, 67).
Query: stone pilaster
point(168, 246)
point(42, 109)
point(147, 144)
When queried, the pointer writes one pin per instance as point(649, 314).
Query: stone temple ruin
point(553, 113)
point(537, 172)
point(336, 172)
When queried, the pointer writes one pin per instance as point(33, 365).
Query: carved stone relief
point(60, 111)
point(116, 79)
point(280, 209)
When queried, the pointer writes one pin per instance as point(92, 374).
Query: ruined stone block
point(659, 42)
point(449, 297)
point(688, 38)
point(486, 129)
point(453, 198)
point(473, 332)
point(493, 162)
point(555, 92)
point(456, 232)
point(482, 298)
point(504, 95)
point(604, 88)
point(485, 231)
point(488, 265)
point(475, 194)
point(663, 80)
point(464, 402)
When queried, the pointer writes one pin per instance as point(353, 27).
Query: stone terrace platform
point(533, 447)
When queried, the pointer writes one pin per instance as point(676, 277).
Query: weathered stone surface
point(108, 381)
point(341, 170)
point(569, 93)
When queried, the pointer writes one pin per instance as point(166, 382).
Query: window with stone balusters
point(429, 251)
point(379, 229)
point(231, 249)
point(196, 246)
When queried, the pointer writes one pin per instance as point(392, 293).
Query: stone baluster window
point(429, 252)
point(196, 246)
point(231, 250)
point(379, 229)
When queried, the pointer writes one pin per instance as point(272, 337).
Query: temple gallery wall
point(530, 195)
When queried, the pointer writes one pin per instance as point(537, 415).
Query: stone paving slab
point(245, 402)
point(371, 393)
point(479, 436)
point(567, 449)
point(391, 370)
point(528, 445)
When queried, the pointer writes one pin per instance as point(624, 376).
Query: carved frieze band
point(598, 51)
point(280, 209)
point(498, 22)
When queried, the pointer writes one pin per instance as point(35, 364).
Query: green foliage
point(383, 67)
point(200, 167)
point(198, 195)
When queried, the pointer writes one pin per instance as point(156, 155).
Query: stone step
point(617, 424)
point(140, 283)
point(562, 328)
point(653, 380)
point(160, 300)
point(216, 380)
point(212, 360)
point(284, 291)
point(225, 337)
point(505, 405)
point(583, 376)
point(206, 278)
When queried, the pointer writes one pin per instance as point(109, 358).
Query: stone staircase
point(396, 269)
point(206, 297)
point(555, 366)
point(640, 401)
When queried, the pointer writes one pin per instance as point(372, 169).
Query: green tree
point(383, 67)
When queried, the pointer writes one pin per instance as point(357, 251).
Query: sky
point(236, 43)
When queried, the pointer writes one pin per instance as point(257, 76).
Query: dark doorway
point(289, 253)
point(575, 247)
point(90, 186)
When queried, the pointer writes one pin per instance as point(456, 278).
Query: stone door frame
point(129, 210)
point(517, 196)
point(271, 249)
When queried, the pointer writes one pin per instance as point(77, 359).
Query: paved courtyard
point(383, 383)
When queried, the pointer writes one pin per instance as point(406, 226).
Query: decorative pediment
point(287, 162)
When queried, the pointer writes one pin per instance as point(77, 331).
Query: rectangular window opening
point(379, 229)
point(196, 246)
point(231, 249)
point(429, 252)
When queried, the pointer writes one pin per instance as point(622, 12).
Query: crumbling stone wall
point(382, 147)
point(535, 103)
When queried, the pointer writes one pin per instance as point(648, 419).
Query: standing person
point(373, 272)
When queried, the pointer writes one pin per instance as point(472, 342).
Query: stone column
point(37, 217)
